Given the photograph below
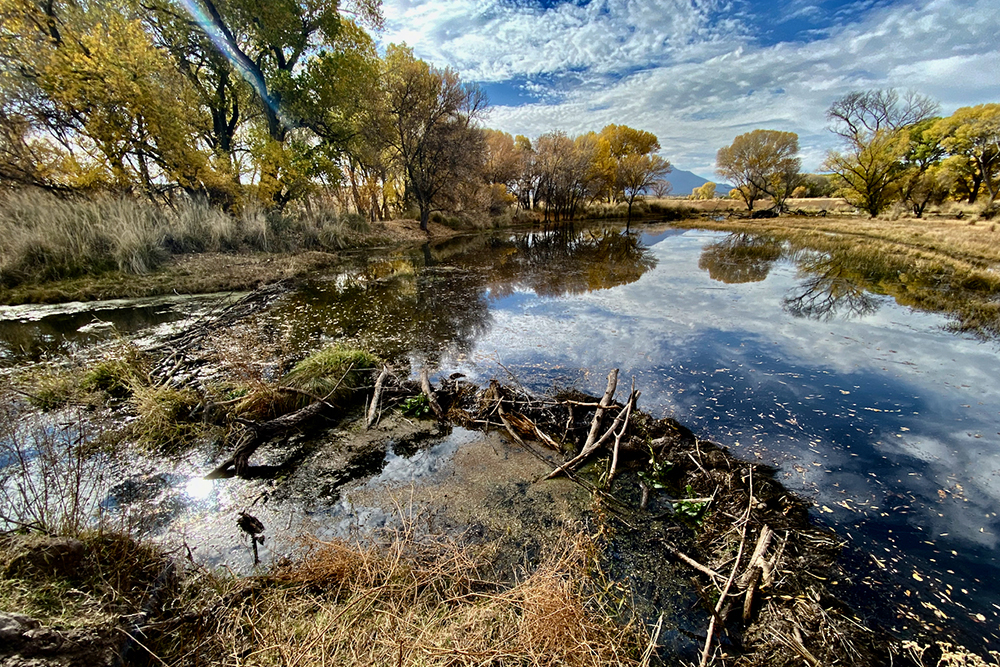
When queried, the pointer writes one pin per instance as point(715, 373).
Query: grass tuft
point(168, 417)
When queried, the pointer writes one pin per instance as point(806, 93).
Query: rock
point(13, 626)
point(40, 556)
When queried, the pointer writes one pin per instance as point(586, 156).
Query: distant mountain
point(685, 181)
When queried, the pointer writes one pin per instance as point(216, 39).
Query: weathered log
point(259, 433)
point(425, 385)
point(376, 397)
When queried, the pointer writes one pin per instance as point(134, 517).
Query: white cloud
point(672, 67)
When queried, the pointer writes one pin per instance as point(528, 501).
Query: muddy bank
point(211, 272)
point(686, 542)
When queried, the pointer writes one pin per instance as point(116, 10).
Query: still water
point(877, 411)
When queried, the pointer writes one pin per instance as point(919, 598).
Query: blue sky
point(699, 72)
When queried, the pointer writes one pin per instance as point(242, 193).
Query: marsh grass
point(168, 418)
point(45, 238)
point(333, 373)
point(113, 577)
point(52, 475)
point(403, 600)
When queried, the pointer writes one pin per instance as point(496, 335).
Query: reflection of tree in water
point(830, 288)
point(432, 301)
point(411, 310)
point(740, 258)
point(565, 261)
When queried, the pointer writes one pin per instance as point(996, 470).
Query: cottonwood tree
point(304, 64)
point(430, 121)
point(762, 164)
point(874, 126)
point(92, 94)
point(926, 182)
point(635, 173)
point(972, 135)
point(704, 191)
point(566, 176)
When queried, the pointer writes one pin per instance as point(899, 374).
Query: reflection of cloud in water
point(877, 416)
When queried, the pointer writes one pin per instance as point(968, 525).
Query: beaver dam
point(364, 468)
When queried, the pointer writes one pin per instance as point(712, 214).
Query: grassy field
point(54, 250)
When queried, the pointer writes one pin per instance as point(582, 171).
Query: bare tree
point(874, 126)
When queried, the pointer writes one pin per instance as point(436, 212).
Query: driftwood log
point(258, 433)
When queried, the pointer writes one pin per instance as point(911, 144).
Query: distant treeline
point(895, 150)
point(247, 102)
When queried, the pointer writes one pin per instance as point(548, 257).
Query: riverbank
point(212, 272)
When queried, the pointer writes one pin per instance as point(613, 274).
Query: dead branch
point(376, 397)
point(618, 436)
point(259, 433)
point(704, 569)
point(609, 395)
point(732, 576)
point(587, 451)
point(425, 386)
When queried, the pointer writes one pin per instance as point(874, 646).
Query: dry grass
point(408, 601)
point(44, 238)
point(955, 239)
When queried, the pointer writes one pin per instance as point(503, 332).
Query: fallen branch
point(732, 575)
point(376, 397)
point(425, 386)
point(259, 433)
point(587, 451)
point(704, 569)
point(618, 436)
point(755, 570)
point(606, 400)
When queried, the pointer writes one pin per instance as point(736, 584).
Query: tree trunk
point(425, 216)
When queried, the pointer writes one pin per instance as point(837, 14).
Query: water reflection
point(740, 258)
point(432, 302)
point(849, 281)
point(829, 288)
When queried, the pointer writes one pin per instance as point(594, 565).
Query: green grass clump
point(167, 417)
point(118, 374)
point(333, 373)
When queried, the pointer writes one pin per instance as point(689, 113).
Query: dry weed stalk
point(420, 601)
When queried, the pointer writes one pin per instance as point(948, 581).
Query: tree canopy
point(762, 163)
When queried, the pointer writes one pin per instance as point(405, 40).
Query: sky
point(697, 73)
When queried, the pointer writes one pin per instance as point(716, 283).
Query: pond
point(877, 411)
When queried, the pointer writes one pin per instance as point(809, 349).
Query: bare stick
point(732, 575)
point(754, 571)
point(587, 451)
point(680, 555)
point(425, 385)
point(619, 434)
point(648, 653)
point(609, 395)
point(376, 397)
